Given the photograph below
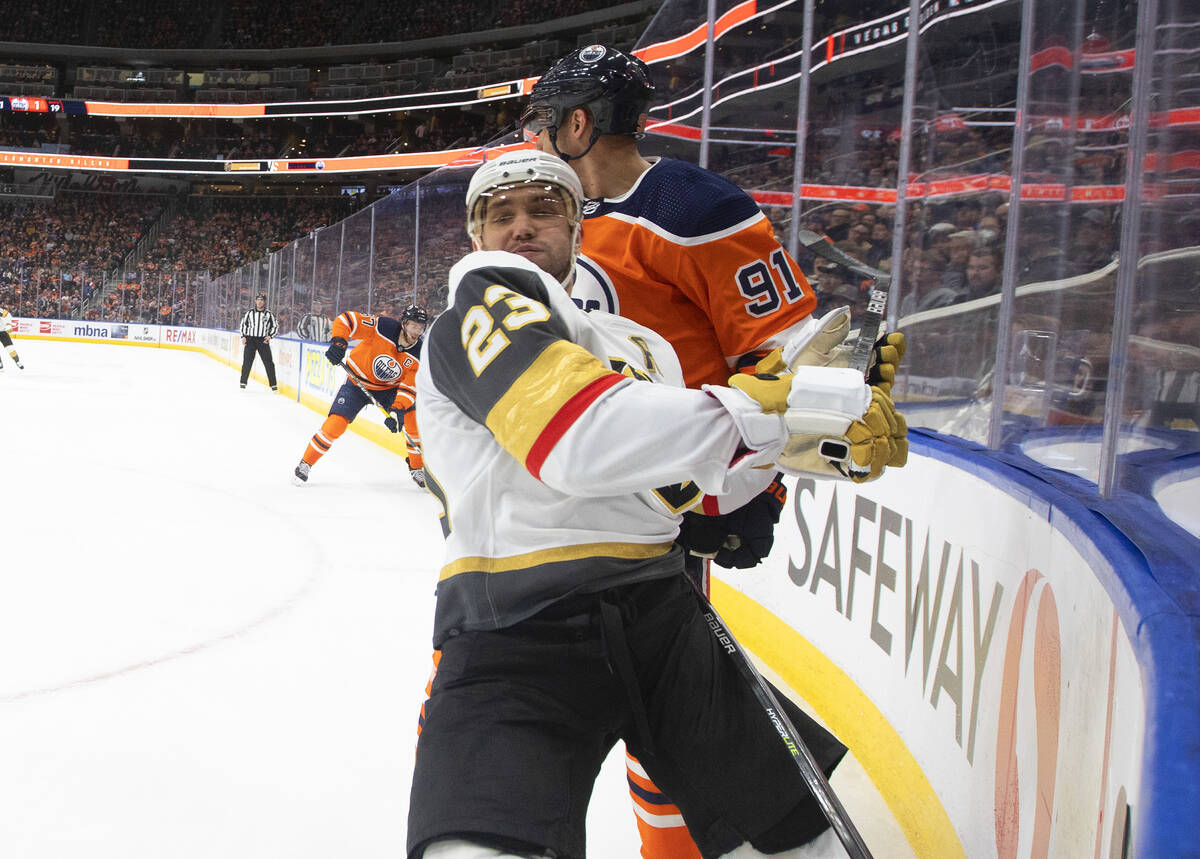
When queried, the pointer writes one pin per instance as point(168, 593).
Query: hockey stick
point(872, 319)
point(818, 785)
point(361, 384)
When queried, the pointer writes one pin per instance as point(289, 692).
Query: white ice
point(197, 658)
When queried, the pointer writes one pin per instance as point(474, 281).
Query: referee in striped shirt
point(258, 327)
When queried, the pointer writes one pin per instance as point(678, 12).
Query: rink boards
point(1014, 662)
point(301, 370)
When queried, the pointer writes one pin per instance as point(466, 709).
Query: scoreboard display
point(38, 104)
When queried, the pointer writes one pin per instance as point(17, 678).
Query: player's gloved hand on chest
point(337, 350)
point(835, 424)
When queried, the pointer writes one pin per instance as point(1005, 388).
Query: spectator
point(983, 272)
point(1092, 246)
point(927, 290)
point(880, 253)
point(1041, 254)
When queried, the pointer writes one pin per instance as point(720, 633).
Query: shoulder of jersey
point(682, 199)
point(388, 327)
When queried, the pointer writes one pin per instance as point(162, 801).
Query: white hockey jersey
point(6, 320)
point(560, 470)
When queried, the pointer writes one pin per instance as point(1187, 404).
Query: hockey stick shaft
point(818, 785)
point(872, 319)
point(361, 384)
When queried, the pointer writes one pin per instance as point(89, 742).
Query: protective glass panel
point(1161, 381)
point(947, 293)
point(301, 264)
point(395, 235)
point(325, 267)
point(442, 235)
point(355, 260)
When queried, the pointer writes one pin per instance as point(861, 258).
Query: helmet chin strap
point(569, 281)
point(553, 129)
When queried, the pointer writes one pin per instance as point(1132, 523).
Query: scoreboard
point(37, 104)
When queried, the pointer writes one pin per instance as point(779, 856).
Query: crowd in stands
point(953, 250)
point(269, 24)
point(217, 234)
point(70, 257)
point(153, 23)
point(93, 232)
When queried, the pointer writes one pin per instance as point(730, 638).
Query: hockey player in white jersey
point(6, 327)
point(563, 616)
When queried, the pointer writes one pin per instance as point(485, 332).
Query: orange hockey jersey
point(689, 255)
point(378, 362)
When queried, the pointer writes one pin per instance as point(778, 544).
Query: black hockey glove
point(702, 535)
point(752, 528)
point(395, 419)
point(886, 355)
point(337, 350)
point(737, 540)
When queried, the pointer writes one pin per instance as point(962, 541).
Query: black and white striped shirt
point(259, 323)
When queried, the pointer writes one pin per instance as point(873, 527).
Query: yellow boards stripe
point(531, 402)
point(851, 716)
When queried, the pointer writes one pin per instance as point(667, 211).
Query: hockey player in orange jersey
point(688, 254)
point(381, 367)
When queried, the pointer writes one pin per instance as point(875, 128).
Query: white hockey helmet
point(523, 167)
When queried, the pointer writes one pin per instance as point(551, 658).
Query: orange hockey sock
point(324, 438)
point(659, 822)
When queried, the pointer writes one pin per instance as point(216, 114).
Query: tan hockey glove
point(822, 343)
point(837, 425)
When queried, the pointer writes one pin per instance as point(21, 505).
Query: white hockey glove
point(822, 343)
point(836, 425)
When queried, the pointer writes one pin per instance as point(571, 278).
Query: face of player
point(410, 330)
point(530, 221)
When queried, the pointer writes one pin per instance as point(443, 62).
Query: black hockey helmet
point(614, 86)
point(414, 314)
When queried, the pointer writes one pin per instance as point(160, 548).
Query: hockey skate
point(300, 475)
